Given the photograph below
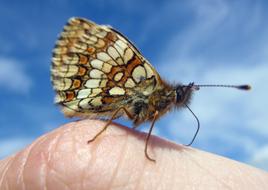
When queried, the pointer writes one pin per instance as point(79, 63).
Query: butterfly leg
point(148, 137)
point(110, 121)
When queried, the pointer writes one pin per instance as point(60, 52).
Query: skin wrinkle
point(142, 172)
point(84, 170)
point(92, 159)
point(185, 165)
point(239, 171)
point(52, 149)
point(27, 153)
point(43, 173)
point(260, 177)
point(55, 174)
point(122, 156)
point(3, 167)
point(56, 147)
point(94, 147)
point(172, 173)
point(5, 171)
point(76, 150)
point(93, 150)
point(8, 169)
point(34, 145)
point(161, 171)
point(99, 146)
point(126, 183)
point(207, 171)
point(66, 130)
point(158, 171)
point(21, 169)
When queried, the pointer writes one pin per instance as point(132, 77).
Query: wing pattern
point(95, 70)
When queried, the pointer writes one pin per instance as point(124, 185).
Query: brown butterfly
point(98, 73)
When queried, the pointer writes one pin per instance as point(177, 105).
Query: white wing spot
point(128, 55)
point(84, 103)
point(96, 101)
point(138, 73)
point(113, 53)
point(120, 47)
point(116, 91)
point(103, 56)
point(96, 91)
point(84, 93)
point(106, 67)
point(101, 34)
point(95, 73)
point(149, 70)
point(62, 84)
point(93, 83)
point(96, 63)
point(118, 76)
point(72, 104)
point(129, 83)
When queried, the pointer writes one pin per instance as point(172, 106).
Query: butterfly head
point(184, 93)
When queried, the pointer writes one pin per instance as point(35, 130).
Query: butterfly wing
point(95, 70)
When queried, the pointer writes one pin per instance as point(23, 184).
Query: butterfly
point(98, 73)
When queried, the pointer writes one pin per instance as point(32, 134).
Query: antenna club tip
point(245, 87)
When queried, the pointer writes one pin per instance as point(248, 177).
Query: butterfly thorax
point(162, 100)
point(144, 107)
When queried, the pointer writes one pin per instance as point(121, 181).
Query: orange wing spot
point(69, 96)
point(111, 36)
point(83, 59)
point(134, 62)
point(114, 70)
point(107, 100)
point(82, 71)
point(76, 83)
point(91, 50)
point(110, 84)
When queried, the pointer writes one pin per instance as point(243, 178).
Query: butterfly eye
point(179, 94)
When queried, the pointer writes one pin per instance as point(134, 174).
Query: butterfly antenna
point(240, 87)
point(198, 126)
point(197, 87)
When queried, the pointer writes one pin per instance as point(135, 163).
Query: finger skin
point(62, 160)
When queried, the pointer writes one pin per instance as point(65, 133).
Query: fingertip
point(63, 159)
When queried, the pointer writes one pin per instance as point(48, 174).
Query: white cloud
point(237, 119)
point(228, 115)
point(12, 145)
point(13, 76)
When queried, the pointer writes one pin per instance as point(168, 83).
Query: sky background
point(201, 41)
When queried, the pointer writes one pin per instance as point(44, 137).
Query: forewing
point(95, 70)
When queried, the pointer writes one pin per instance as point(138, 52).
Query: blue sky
point(208, 41)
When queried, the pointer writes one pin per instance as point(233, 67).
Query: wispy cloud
point(13, 76)
point(225, 114)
